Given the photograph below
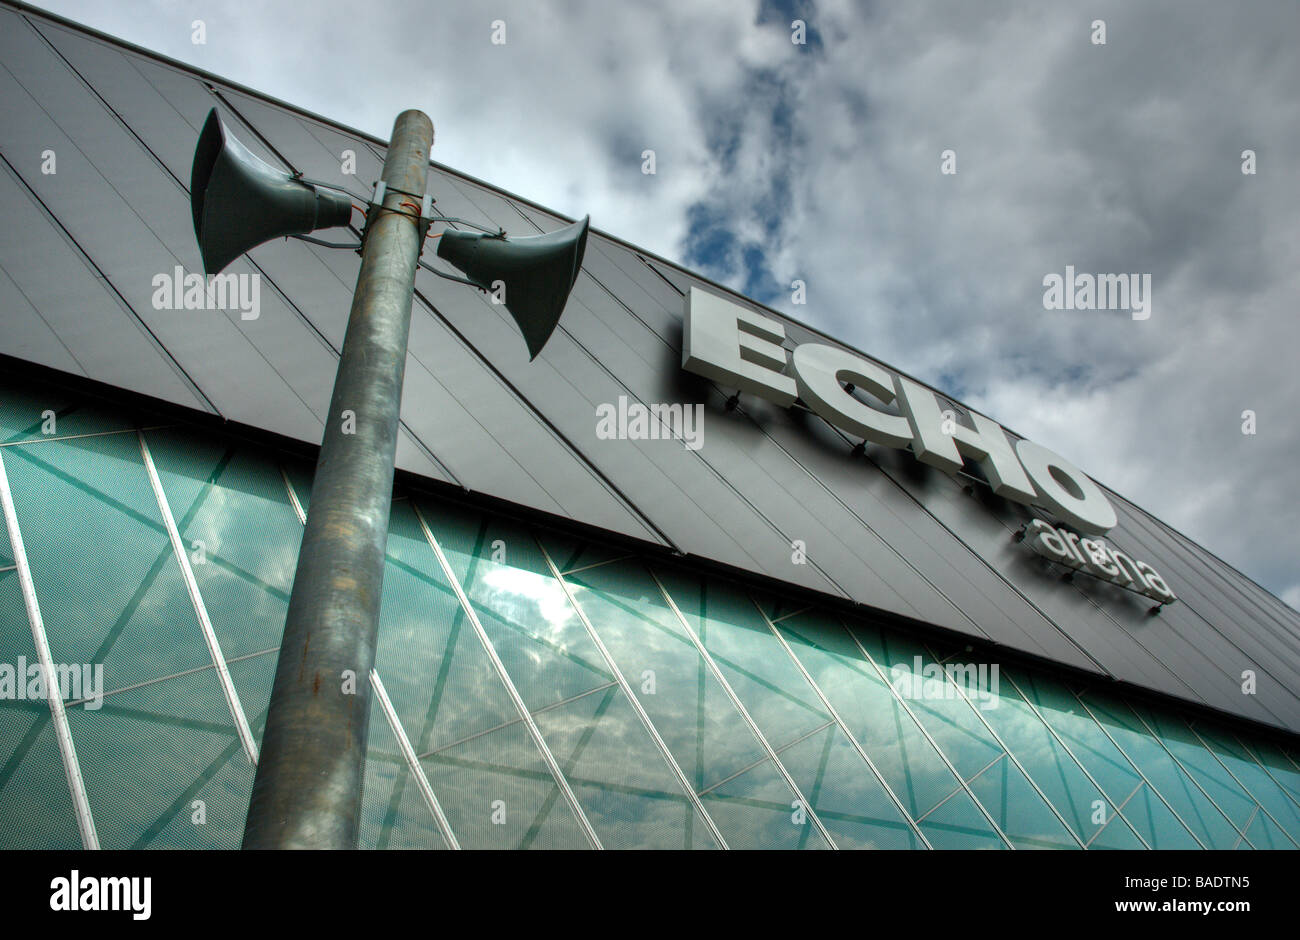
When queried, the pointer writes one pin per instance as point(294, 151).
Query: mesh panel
point(908, 762)
point(35, 805)
point(394, 814)
point(1018, 811)
point(149, 753)
point(627, 790)
point(25, 415)
point(958, 824)
point(109, 585)
point(754, 810)
point(239, 531)
point(439, 678)
point(498, 794)
point(846, 795)
point(702, 729)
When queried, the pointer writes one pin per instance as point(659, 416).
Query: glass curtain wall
point(532, 690)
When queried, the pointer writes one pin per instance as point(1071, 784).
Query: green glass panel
point(240, 532)
point(1217, 783)
point(1263, 833)
point(958, 824)
point(755, 810)
point(775, 607)
point(891, 738)
point(497, 793)
point(1084, 807)
point(1152, 820)
point(35, 805)
point(626, 789)
point(1084, 737)
point(936, 696)
point(437, 674)
point(571, 553)
point(535, 630)
point(1280, 766)
point(24, 417)
point(110, 587)
point(179, 741)
point(847, 797)
point(779, 699)
point(394, 814)
point(1162, 772)
point(686, 703)
point(1116, 834)
point(253, 677)
point(1261, 782)
point(1018, 810)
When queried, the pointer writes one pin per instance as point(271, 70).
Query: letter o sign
point(1066, 490)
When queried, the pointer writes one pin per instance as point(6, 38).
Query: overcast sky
point(822, 161)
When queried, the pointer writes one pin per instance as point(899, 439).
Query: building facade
point(769, 634)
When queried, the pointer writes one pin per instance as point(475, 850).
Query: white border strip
point(413, 762)
point(192, 586)
point(85, 821)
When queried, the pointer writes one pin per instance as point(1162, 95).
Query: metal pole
point(307, 792)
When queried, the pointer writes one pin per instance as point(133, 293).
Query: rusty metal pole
point(307, 791)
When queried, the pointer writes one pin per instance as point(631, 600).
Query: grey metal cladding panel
point(23, 333)
point(626, 268)
point(48, 274)
point(699, 513)
point(318, 280)
point(749, 458)
point(288, 133)
point(499, 446)
point(992, 606)
point(134, 221)
point(749, 462)
point(663, 315)
point(492, 205)
point(1125, 611)
point(1199, 638)
point(119, 77)
point(1180, 639)
point(1247, 608)
point(457, 435)
point(190, 98)
point(1252, 630)
point(440, 417)
point(988, 530)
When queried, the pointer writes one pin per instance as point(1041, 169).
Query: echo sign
point(742, 349)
